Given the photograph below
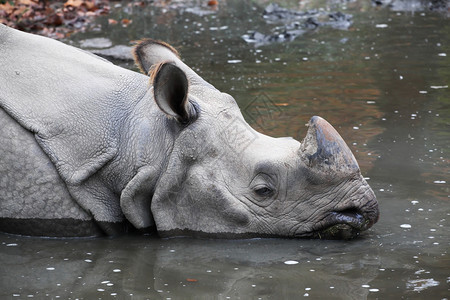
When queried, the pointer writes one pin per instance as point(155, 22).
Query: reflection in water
point(383, 84)
point(184, 268)
point(419, 285)
point(317, 90)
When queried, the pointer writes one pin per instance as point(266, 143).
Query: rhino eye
point(263, 191)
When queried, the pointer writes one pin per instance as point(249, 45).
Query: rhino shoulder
point(71, 100)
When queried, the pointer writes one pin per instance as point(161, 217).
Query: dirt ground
point(56, 19)
point(60, 18)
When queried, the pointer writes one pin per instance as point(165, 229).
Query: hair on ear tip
point(144, 46)
point(154, 71)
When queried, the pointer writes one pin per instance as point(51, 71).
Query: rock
point(260, 39)
point(96, 43)
point(312, 19)
point(199, 11)
point(119, 52)
point(414, 5)
point(273, 12)
point(339, 20)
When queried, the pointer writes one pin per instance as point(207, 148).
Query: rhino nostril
point(350, 212)
point(358, 218)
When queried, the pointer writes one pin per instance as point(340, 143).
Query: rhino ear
point(150, 52)
point(170, 88)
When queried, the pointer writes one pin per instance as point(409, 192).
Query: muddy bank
point(61, 18)
point(55, 19)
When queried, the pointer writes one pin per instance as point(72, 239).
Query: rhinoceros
point(89, 148)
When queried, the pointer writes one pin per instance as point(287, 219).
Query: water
point(383, 84)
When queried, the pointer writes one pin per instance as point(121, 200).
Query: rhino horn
point(324, 150)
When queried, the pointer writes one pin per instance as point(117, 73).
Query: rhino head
point(223, 178)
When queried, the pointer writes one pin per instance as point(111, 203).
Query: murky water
point(383, 84)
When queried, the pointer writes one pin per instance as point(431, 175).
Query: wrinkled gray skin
point(89, 148)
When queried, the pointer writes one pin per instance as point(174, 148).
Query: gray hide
point(92, 146)
point(77, 106)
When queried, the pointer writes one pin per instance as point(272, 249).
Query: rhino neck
point(146, 147)
point(147, 138)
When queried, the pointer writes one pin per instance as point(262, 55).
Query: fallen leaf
point(191, 280)
point(213, 2)
point(140, 3)
point(74, 3)
point(6, 8)
point(126, 22)
point(87, 4)
point(55, 20)
point(24, 2)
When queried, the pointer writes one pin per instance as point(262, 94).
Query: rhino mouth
point(347, 224)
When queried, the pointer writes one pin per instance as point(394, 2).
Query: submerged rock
point(298, 22)
point(260, 39)
point(96, 43)
point(273, 12)
point(119, 52)
point(414, 5)
point(339, 20)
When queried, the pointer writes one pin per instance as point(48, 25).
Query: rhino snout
point(350, 222)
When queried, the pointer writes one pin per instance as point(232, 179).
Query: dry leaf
point(87, 4)
point(55, 20)
point(126, 22)
point(74, 3)
point(112, 22)
point(39, 17)
point(6, 9)
point(24, 2)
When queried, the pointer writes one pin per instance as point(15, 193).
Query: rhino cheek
point(237, 214)
point(216, 205)
point(199, 205)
